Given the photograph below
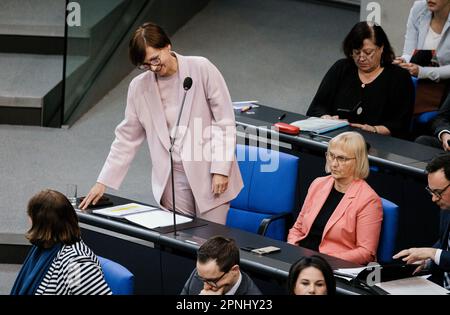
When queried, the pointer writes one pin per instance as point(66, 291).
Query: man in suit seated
point(440, 127)
point(437, 258)
point(218, 271)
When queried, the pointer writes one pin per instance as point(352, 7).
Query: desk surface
point(275, 265)
point(395, 153)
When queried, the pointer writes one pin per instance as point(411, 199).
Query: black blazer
point(193, 286)
point(437, 271)
point(442, 120)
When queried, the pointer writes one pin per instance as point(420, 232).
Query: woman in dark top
point(366, 88)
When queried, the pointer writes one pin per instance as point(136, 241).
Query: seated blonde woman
point(342, 214)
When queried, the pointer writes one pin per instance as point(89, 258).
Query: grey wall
point(393, 15)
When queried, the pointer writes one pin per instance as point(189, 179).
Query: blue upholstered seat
point(389, 229)
point(119, 279)
point(268, 197)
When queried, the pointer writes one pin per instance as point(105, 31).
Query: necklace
point(369, 80)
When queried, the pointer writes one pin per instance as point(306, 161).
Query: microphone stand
point(172, 145)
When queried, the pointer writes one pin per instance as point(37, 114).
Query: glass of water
point(71, 194)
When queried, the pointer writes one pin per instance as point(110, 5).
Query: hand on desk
point(93, 196)
point(219, 183)
point(413, 255)
point(382, 130)
point(335, 117)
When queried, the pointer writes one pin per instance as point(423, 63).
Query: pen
point(191, 242)
point(246, 108)
point(282, 116)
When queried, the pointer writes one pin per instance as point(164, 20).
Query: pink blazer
point(204, 150)
point(353, 230)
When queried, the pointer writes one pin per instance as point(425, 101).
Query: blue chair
point(265, 204)
point(389, 229)
point(420, 121)
point(119, 279)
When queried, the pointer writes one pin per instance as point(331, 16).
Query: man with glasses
point(436, 258)
point(218, 271)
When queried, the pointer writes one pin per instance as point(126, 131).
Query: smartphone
point(266, 250)
point(248, 248)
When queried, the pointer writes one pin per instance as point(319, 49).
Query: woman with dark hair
point(311, 276)
point(206, 175)
point(59, 263)
point(365, 87)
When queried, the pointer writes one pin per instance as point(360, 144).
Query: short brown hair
point(354, 143)
point(147, 35)
point(53, 220)
point(221, 249)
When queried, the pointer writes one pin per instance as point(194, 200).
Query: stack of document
point(412, 286)
point(319, 125)
point(149, 217)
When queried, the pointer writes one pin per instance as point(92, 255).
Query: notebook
point(424, 58)
point(319, 125)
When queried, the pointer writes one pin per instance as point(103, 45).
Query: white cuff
point(443, 131)
point(437, 256)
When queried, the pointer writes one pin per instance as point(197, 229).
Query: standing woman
point(428, 28)
point(206, 174)
point(59, 262)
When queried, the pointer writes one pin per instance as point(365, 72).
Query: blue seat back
point(389, 229)
point(119, 279)
point(270, 180)
point(422, 119)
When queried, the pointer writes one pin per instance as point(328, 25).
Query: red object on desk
point(287, 128)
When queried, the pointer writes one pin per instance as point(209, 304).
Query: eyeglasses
point(154, 62)
point(437, 192)
point(211, 282)
point(339, 158)
point(356, 54)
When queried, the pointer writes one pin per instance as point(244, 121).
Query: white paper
point(412, 286)
point(319, 125)
point(156, 218)
point(123, 210)
point(351, 272)
point(240, 105)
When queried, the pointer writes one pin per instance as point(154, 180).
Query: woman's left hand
point(219, 183)
point(364, 127)
point(411, 67)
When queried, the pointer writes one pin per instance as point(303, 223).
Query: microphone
point(187, 84)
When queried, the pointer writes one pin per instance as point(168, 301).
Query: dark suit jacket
point(194, 285)
point(437, 271)
point(442, 120)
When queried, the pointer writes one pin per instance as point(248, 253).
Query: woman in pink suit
point(206, 174)
point(342, 214)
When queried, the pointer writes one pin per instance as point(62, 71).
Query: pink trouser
point(184, 199)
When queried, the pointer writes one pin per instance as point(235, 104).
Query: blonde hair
point(353, 143)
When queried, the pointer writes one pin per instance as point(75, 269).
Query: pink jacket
point(204, 150)
point(353, 230)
